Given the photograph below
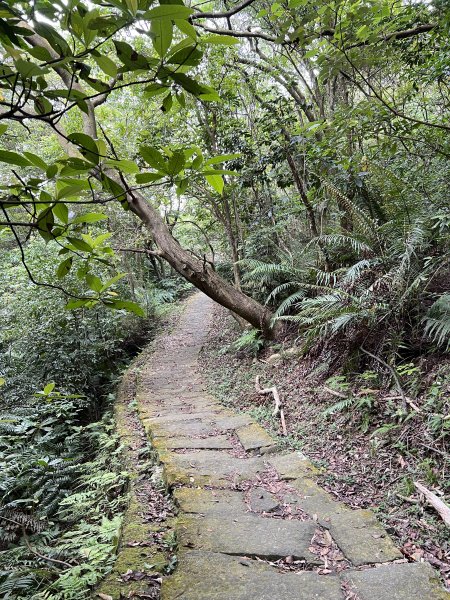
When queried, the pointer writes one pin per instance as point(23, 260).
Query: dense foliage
point(288, 158)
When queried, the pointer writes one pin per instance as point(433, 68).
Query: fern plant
point(437, 322)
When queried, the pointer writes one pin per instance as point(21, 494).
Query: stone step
point(209, 576)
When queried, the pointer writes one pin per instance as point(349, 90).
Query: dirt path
point(252, 523)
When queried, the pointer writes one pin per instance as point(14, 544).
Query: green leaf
point(189, 56)
point(70, 190)
point(148, 177)
point(87, 146)
point(222, 158)
point(223, 40)
point(168, 11)
point(107, 65)
point(125, 305)
point(48, 389)
point(176, 162)
point(28, 69)
point(56, 41)
point(61, 212)
point(80, 303)
point(161, 33)
point(89, 218)
point(130, 58)
point(12, 158)
point(36, 160)
point(2, 381)
point(64, 267)
point(94, 282)
point(154, 89)
point(112, 281)
point(127, 166)
point(45, 222)
point(186, 28)
point(51, 171)
point(167, 103)
point(3, 128)
point(79, 244)
point(182, 186)
point(154, 158)
point(216, 182)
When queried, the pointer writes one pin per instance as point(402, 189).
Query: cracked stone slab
point(210, 502)
point(262, 501)
point(184, 428)
point(292, 465)
point(209, 467)
point(314, 500)
point(233, 421)
point(407, 581)
point(206, 416)
point(249, 535)
point(253, 437)
point(215, 442)
point(208, 576)
point(362, 539)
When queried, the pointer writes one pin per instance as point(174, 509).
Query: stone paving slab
point(208, 576)
point(207, 416)
point(185, 428)
point(215, 442)
point(232, 421)
point(210, 502)
point(254, 437)
point(408, 581)
point(262, 501)
point(292, 465)
point(209, 467)
point(249, 535)
point(362, 539)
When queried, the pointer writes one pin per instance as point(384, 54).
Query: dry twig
point(278, 410)
point(440, 506)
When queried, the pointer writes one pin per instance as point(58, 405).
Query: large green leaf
point(87, 146)
point(130, 57)
point(222, 158)
point(161, 33)
point(125, 305)
point(13, 158)
point(216, 182)
point(168, 11)
point(176, 162)
point(107, 65)
point(154, 158)
point(222, 40)
point(89, 218)
point(64, 267)
point(189, 56)
point(94, 282)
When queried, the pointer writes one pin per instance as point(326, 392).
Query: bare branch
point(222, 15)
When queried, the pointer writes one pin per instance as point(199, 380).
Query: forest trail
point(253, 524)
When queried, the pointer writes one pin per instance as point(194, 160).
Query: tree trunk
point(198, 272)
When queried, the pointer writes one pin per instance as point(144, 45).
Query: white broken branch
point(335, 393)
point(278, 409)
point(436, 503)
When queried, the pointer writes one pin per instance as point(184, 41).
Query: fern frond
point(437, 322)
